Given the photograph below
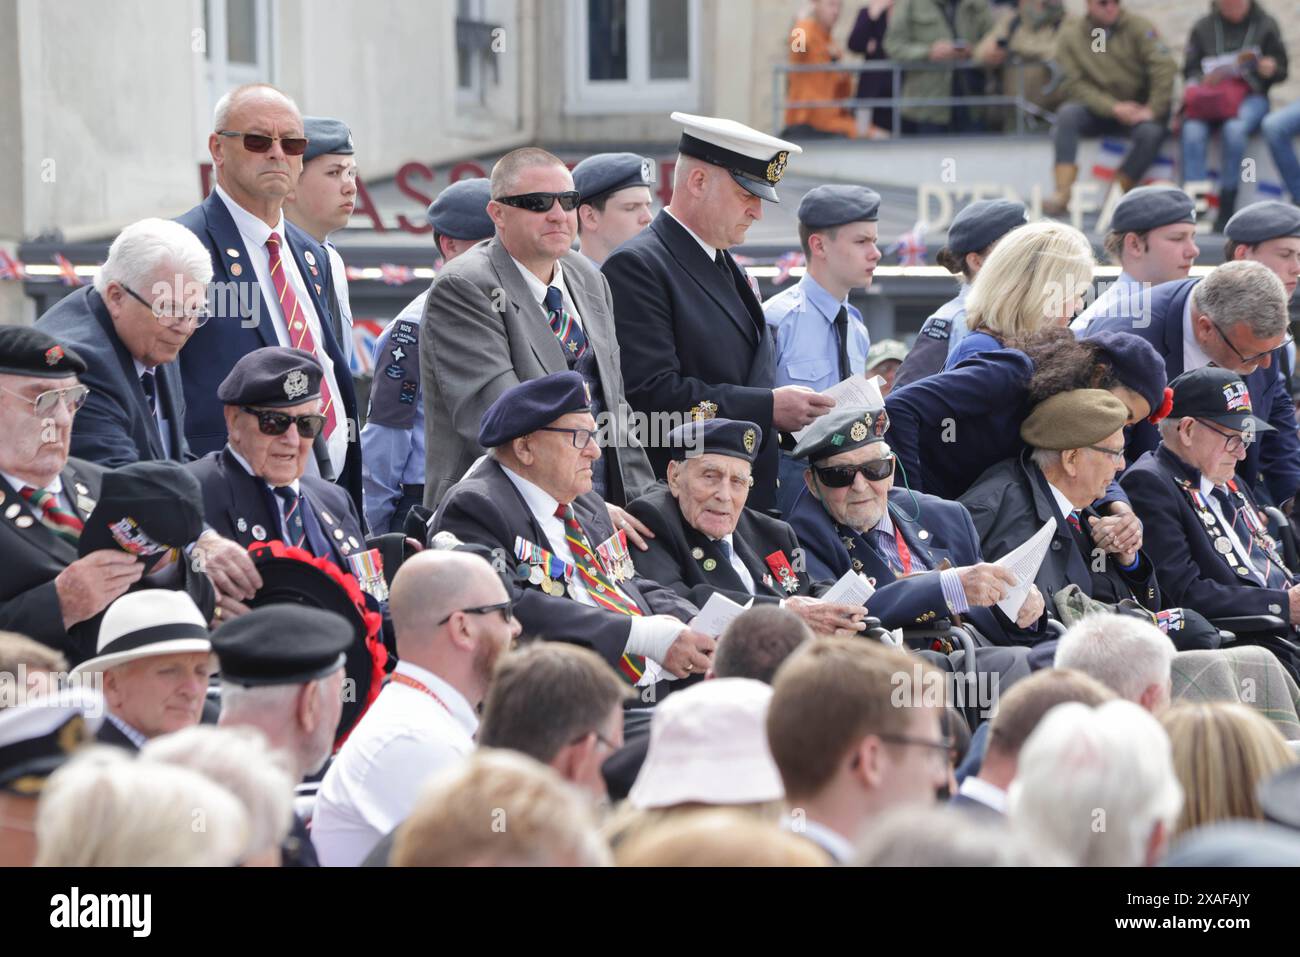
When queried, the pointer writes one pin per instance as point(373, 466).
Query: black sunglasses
point(542, 202)
point(261, 143)
point(842, 476)
point(507, 609)
point(277, 423)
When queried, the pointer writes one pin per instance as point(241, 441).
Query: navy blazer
point(689, 334)
point(215, 348)
point(1191, 572)
point(486, 509)
point(1272, 464)
point(115, 426)
point(243, 508)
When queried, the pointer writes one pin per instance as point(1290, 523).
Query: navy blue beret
point(842, 429)
point(460, 210)
point(273, 377)
point(325, 135)
point(604, 173)
point(1150, 207)
point(530, 405)
point(824, 207)
point(984, 222)
point(30, 352)
point(1260, 222)
point(282, 644)
point(1136, 364)
point(734, 437)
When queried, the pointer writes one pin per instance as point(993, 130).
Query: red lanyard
point(401, 679)
point(904, 556)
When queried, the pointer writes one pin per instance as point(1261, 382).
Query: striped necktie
point(293, 523)
point(599, 585)
point(295, 320)
point(58, 520)
point(565, 327)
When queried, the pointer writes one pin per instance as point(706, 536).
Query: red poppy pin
point(53, 355)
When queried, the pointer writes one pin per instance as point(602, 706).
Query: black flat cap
point(823, 207)
point(530, 405)
point(606, 173)
point(1150, 207)
point(325, 135)
point(984, 222)
point(145, 508)
point(282, 644)
point(734, 437)
point(274, 377)
point(460, 210)
point(29, 352)
point(1260, 222)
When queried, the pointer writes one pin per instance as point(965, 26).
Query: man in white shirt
point(453, 620)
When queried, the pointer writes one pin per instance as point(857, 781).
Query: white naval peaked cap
point(755, 160)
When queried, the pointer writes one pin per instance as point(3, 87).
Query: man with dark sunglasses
point(521, 306)
point(271, 280)
point(255, 489)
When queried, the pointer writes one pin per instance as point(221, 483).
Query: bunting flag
point(395, 275)
point(353, 273)
point(67, 272)
point(785, 263)
point(11, 268)
point(910, 247)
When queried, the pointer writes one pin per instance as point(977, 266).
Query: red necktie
point(53, 516)
point(295, 320)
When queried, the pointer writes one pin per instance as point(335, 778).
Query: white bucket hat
point(708, 745)
point(146, 623)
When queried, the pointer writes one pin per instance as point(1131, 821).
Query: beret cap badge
point(751, 440)
point(295, 384)
point(776, 168)
point(53, 355)
point(704, 411)
point(858, 431)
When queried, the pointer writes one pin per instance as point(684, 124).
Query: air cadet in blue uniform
point(971, 238)
point(392, 441)
point(616, 201)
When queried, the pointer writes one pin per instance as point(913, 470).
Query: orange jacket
point(811, 44)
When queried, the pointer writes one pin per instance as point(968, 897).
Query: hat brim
point(1239, 422)
point(747, 781)
point(177, 646)
point(759, 189)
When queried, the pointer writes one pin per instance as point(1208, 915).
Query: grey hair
point(142, 251)
point(948, 837)
point(240, 702)
point(1243, 291)
point(1125, 654)
point(1045, 458)
point(221, 113)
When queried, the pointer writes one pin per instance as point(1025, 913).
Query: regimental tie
point(295, 320)
point(293, 524)
point(150, 386)
point(599, 585)
point(565, 327)
point(58, 520)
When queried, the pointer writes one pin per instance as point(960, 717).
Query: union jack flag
point(785, 263)
point(910, 247)
point(67, 272)
point(11, 268)
point(353, 274)
point(365, 333)
point(395, 275)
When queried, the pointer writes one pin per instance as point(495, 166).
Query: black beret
point(1136, 364)
point(842, 429)
point(274, 377)
point(530, 405)
point(1219, 395)
point(282, 644)
point(825, 206)
point(460, 210)
point(1260, 222)
point(30, 352)
point(734, 437)
point(325, 135)
point(605, 173)
point(984, 222)
point(145, 508)
point(1150, 207)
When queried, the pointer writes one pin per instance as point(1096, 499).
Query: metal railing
point(1023, 106)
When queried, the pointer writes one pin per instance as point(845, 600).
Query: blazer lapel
point(127, 364)
point(26, 522)
point(546, 348)
point(229, 248)
point(695, 261)
point(765, 582)
point(314, 270)
point(1173, 333)
point(170, 392)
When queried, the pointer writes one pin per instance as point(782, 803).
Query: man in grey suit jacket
point(515, 308)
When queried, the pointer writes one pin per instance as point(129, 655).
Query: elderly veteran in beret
point(46, 497)
point(615, 201)
point(282, 673)
point(922, 551)
point(392, 440)
point(155, 660)
point(1075, 449)
point(255, 489)
point(1152, 237)
point(707, 542)
point(530, 501)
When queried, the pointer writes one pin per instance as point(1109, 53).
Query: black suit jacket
point(486, 509)
point(108, 733)
point(239, 506)
point(690, 334)
point(242, 323)
point(115, 426)
point(671, 559)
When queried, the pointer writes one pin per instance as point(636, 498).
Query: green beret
point(1074, 420)
point(842, 429)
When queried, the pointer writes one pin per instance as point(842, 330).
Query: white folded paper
point(1024, 562)
point(852, 589)
point(718, 612)
point(855, 390)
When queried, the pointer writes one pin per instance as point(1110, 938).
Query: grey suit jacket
point(482, 333)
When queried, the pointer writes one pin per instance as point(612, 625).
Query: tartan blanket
point(1247, 674)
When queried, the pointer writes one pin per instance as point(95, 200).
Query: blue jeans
point(1280, 130)
point(1236, 134)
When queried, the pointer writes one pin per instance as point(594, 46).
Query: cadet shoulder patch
point(937, 328)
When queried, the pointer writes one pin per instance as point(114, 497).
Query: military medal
point(521, 571)
point(241, 525)
point(767, 580)
point(259, 533)
point(535, 575)
point(710, 564)
point(697, 553)
point(780, 565)
point(1222, 545)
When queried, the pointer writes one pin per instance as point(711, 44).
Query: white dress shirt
point(648, 635)
point(339, 276)
point(832, 842)
point(376, 777)
point(539, 288)
point(297, 490)
point(1064, 504)
point(737, 565)
point(255, 233)
point(55, 486)
point(990, 795)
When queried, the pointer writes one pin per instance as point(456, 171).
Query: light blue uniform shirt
point(1123, 297)
point(392, 440)
point(955, 311)
point(802, 320)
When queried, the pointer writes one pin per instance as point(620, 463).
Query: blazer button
point(1275, 609)
point(1056, 546)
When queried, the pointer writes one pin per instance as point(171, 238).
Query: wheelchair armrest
point(1055, 628)
point(1250, 624)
